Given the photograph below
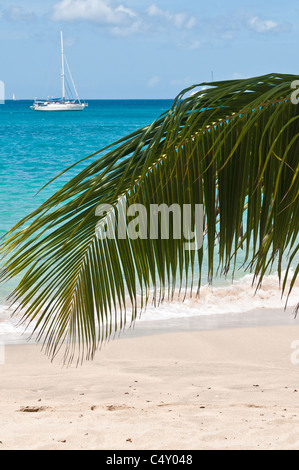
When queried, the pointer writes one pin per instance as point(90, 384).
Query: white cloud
point(124, 30)
point(121, 20)
point(191, 45)
point(228, 35)
point(16, 13)
point(98, 11)
point(153, 10)
point(179, 20)
point(153, 81)
point(262, 26)
point(125, 10)
point(267, 26)
point(118, 17)
point(191, 22)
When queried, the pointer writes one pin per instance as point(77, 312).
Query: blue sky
point(143, 49)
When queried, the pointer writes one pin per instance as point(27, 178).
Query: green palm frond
point(232, 147)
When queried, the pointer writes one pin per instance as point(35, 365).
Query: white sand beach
point(231, 386)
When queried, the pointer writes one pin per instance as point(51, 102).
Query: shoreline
point(227, 388)
point(215, 321)
point(190, 323)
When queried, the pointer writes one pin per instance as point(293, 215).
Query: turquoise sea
point(35, 147)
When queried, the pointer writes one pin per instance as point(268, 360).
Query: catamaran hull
point(74, 107)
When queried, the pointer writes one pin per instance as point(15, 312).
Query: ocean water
point(35, 147)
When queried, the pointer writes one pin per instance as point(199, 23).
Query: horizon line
point(99, 99)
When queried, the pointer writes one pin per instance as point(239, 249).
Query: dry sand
point(229, 388)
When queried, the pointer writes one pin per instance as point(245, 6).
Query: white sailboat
point(14, 97)
point(60, 104)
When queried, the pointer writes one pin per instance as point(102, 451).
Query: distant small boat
point(60, 104)
point(14, 97)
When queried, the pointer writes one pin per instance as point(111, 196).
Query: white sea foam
point(237, 297)
point(10, 329)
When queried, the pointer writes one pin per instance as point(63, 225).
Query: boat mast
point(62, 69)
